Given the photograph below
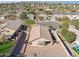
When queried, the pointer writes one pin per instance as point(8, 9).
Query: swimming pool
point(76, 48)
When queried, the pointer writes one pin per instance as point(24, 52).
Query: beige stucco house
point(39, 36)
point(8, 28)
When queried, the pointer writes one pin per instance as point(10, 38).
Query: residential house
point(31, 16)
point(58, 16)
point(2, 16)
point(40, 36)
point(73, 17)
point(42, 17)
point(11, 17)
point(8, 28)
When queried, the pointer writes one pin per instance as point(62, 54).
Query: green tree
point(65, 24)
point(69, 36)
point(48, 12)
point(31, 12)
point(51, 27)
point(65, 18)
point(28, 22)
point(75, 23)
point(63, 31)
point(23, 15)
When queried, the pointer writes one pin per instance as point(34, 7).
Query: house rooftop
point(55, 50)
point(2, 26)
point(13, 24)
point(39, 31)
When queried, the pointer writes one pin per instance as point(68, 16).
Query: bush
point(69, 36)
point(51, 27)
point(65, 24)
point(23, 15)
point(28, 22)
point(1, 43)
point(75, 23)
point(63, 31)
point(31, 12)
point(65, 18)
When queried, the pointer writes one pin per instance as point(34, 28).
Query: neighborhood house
point(8, 28)
point(39, 36)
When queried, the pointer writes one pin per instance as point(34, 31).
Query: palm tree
point(28, 22)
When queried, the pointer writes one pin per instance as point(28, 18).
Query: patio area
point(55, 50)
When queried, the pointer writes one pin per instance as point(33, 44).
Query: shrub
point(65, 24)
point(69, 36)
point(65, 18)
point(23, 15)
point(28, 22)
point(75, 23)
point(51, 27)
point(63, 31)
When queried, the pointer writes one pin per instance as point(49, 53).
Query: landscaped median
point(6, 47)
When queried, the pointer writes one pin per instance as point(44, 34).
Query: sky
point(39, 0)
point(62, 1)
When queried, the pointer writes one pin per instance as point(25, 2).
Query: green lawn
point(6, 47)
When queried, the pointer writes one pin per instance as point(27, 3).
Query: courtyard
point(55, 50)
